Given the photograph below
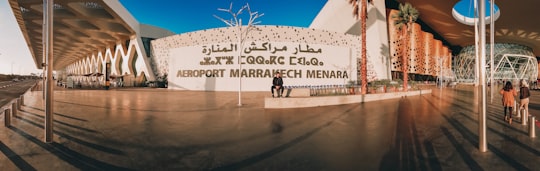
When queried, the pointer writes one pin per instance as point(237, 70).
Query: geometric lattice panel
point(512, 62)
point(423, 51)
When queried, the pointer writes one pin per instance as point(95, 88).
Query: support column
point(482, 140)
point(492, 48)
point(48, 18)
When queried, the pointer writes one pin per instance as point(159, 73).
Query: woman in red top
point(508, 94)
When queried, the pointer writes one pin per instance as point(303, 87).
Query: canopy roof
point(516, 23)
point(81, 27)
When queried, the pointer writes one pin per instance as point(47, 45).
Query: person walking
point(508, 93)
point(277, 83)
point(524, 95)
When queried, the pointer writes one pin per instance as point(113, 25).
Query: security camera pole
point(241, 34)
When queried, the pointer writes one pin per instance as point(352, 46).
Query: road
point(10, 90)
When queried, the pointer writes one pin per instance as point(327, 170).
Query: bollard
point(523, 116)
point(18, 104)
point(518, 111)
point(515, 107)
point(14, 109)
point(7, 118)
point(532, 131)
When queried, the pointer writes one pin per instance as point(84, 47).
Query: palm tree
point(363, 19)
point(404, 19)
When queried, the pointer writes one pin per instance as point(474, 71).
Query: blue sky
point(178, 16)
point(466, 8)
point(182, 16)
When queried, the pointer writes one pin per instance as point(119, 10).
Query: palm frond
point(407, 14)
point(355, 11)
point(355, 6)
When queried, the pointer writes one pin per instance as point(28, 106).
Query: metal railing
point(342, 89)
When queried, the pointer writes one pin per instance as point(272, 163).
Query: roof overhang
point(516, 23)
point(81, 27)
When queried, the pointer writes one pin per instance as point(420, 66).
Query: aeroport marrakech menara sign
point(218, 67)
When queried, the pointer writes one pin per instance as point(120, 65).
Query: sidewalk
point(159, 129)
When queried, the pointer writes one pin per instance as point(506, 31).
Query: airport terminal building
point(101, 38)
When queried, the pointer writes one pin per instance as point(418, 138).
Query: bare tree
point(241, 33)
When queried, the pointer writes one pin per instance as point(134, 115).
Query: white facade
point(333, 30)
point(87, 35)
point(215, 67)
point(337, 16)
point(126, 60)
point(130, 61)
point(180, 56)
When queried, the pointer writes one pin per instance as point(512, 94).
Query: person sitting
point(277, 83)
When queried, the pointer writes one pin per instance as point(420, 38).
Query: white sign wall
point(215, 67)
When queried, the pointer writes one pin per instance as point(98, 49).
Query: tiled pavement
point(157, 129)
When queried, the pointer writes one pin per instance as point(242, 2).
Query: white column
point(482, 142)
point(492, 45)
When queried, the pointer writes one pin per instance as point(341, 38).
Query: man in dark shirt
point(277, 83)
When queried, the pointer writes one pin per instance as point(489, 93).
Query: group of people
point(508, 97)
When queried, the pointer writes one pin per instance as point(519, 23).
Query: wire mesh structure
point(512, 62)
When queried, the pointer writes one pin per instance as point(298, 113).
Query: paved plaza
point(159, 129)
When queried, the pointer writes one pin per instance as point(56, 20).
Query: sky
point(182, 16)
point(178, 16)
point(14, 54)
point(466, 8)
